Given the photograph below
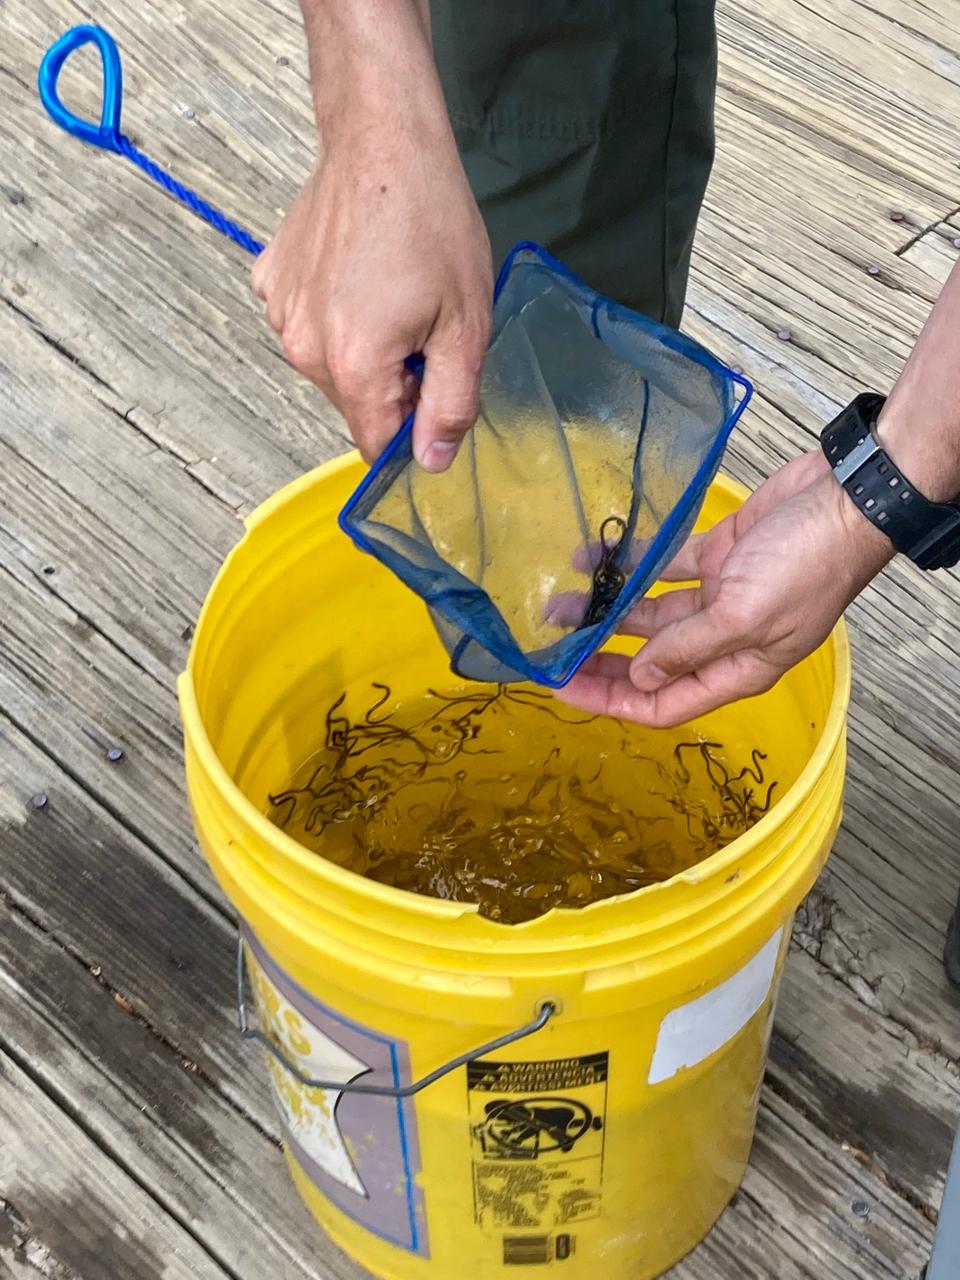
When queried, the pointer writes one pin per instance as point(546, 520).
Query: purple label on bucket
point(361, 1152)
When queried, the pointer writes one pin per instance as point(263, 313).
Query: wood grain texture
point(805, 1211)
point(145, 408)
point(154, 1112)
point(79, 1214)
point(936, 251)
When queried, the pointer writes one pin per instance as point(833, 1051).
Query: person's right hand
point(771, 582)
point(384, 254)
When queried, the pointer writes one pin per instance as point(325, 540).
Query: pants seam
point(667, 166)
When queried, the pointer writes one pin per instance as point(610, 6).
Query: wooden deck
point(144, 407)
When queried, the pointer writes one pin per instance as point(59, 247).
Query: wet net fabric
point(598, 436)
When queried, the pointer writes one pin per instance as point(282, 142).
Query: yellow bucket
point(609, 1135)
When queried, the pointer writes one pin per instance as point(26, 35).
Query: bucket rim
point(562, 925)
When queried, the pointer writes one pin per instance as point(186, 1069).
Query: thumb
point(686, 646)
point(450, 395)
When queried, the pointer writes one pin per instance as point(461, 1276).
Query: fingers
point(742, 675)
point(685, 565)
point(601, 686)
point(689, 644)
point(450, 396)
point(646, 618)
point(566, 608)
point(604, 687)
point(653, 613)
point(373, 392)
point(258, 276)
point(350, 340)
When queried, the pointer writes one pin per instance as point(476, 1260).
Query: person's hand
point(773, 578)
point(384, 254)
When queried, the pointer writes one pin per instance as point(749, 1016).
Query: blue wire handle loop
point(108, 136)
point(544, 1013)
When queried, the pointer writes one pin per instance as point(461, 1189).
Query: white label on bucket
point(310, 1114)
point(696, 1030)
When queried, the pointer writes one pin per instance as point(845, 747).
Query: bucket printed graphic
point(360, 1151)
point(538, 1133)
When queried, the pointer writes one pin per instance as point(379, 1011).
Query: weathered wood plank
point(98, 485)
point(79, 1216)
point(110, 667)
point(827, 123)
point(895, 1102)
point(185, 987)
point(168, 827)
point(155, 1113)
point(936, 252)
point(134, 1062)
point(67, 686)
point(851, 80)
point(806, 1211)
point(117, 907)
point(119, 533)
point(161, 307)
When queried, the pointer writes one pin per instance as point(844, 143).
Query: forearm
point(920, 425)
point(372, 68)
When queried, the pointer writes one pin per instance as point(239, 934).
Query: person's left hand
point(773, 580)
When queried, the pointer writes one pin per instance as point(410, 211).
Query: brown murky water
point(503, 797)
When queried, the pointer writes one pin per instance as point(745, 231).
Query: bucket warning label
point(537, 1134)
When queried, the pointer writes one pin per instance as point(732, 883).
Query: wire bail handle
point(546, 1011)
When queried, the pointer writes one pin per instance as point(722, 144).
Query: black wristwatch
point(927, 532)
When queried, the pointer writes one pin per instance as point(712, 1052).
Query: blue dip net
point(599, 433)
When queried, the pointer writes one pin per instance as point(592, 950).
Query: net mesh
point(599, 433)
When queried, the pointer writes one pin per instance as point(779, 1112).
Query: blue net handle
point(108, 137)
point(107, 133)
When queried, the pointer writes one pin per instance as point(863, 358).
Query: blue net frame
point(585, 370)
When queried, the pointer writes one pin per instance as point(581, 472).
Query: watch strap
point(928, 532)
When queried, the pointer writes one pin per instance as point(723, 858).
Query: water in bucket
point(500, 796)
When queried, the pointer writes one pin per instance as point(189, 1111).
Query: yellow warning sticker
point(537, 1131)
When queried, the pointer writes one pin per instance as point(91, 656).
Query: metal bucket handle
point(545, 1012)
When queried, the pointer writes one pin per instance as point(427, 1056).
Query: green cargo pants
point(587, 126)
